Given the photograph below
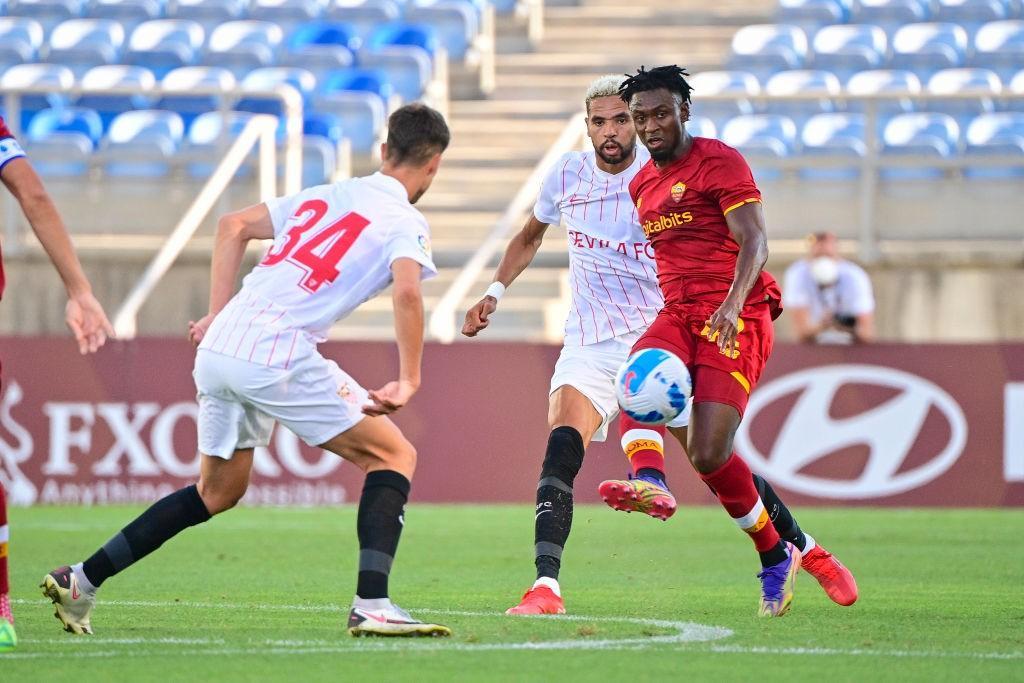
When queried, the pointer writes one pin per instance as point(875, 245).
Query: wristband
point(496, 290)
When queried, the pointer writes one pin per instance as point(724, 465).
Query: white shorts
point(591, 370)
point(239, 401)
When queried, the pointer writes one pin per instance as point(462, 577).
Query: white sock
point(83, 580)
point(809, 545)
point(548, 582)
point(372, 603)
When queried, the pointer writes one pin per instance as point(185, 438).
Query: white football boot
point(73, 604)
point(384, 618)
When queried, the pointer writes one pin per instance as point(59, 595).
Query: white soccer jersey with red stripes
point(333, 248)
point(612, 274)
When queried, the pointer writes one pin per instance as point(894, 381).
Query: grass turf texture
point(262, 594)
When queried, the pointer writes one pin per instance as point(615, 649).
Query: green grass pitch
point(262, 595)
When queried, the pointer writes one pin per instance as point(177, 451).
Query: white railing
point(260, 129)
point(443, 324)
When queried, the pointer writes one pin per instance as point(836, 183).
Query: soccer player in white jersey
point(615, 297)
point(335, 246)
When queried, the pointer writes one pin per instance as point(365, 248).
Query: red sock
point(734, 486)
point(643, 444)
point(4, 586)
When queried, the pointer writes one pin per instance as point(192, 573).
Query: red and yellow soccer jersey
point(682, 209)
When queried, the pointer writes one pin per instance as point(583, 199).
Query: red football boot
point(538, 600)
point(836, 579)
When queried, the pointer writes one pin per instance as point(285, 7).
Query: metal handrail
point(262, 129)
point(442, 323)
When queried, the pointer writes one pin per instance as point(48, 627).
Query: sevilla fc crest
point(677, 191)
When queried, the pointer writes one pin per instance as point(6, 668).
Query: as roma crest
point(677, 191)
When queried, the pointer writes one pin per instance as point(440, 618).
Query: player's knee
point(564, 456)
point(706, 457)
point(400, 457)
point(220, 497)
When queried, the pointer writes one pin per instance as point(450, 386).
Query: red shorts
point(717, 378)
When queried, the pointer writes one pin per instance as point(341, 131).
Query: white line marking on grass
point(859, 652)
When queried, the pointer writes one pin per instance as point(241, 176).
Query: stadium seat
point(130, 13)
point(267, 79)
point(406, 67)
point(999, 46)
point(999, 134)
point(951, 81)
point(322, 47)
point(362, 112)
point(112, 75)
point(701, 127)
point(802, 82)
point(1016, 84)
point(891, 14)
point(927, 48)
point(184, 81)
point(287, 13)
point(20, 39)
point(208, 137)
point(364, 15)
point(764, 49)
point(403, 33)
point(971, 13)
point(82, 44)
point(141, 144)
point(834, 135)
point(367, 80)
point(165, 44)
point(921, 134)
point(61, 141)
point(55, 76)
point(208, 13)
point(881, 81)
point(48, 13)
point(737, 84)
point(454, 21)
point(845, 49)
point(241, 46)
point(812, 14)
point(761, 137)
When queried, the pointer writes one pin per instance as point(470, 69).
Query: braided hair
point(670, 77)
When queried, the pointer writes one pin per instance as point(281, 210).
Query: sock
point(163, 520)
point(644, 446)
point(5, 587)
point(562, 463)
point(379, 526)
point(733, 483)
point(548, 582)
point(782, 518)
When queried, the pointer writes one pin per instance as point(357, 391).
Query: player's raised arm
point(407, 300)
point(746, 223)
point(84, 314)
point(518, 255)
point(234, 230)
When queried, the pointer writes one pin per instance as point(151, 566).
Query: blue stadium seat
point(949, 81)
point(802, 82)
point(241, 46)
point(927, 48)
point(48, 13)
point(323, 125)
point(923, 134)
point(365, 15)
point(999, 134)
point(454, 21)
point(142, 144)
point(761, 137)
point(999, 46)
point(845, 49)
point(61, 141)
point(112, 75)
point(701, 127)
point(362, 112)
point(55, 76)
point(738, 84)
point(270, 77)
point(165, 44)
point(812, 14)
point(891, 14)
point(322, 47)
point(403, 33)
point(1016, 84)
point(208, 13)
point(406, 67)
point(82, 44)
point(834, 135)
point(184, 81)
point(208, 137)
point(881, 81)
point(971, 13)
point(763, 49)
point(287, 13)
point(130, 13)
point(20, 39)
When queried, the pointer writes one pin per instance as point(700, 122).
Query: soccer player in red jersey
point(700, 208)
point(84, 315)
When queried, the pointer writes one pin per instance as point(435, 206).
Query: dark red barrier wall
point(903, 425)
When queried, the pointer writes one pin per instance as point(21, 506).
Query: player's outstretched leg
point(645, 491)
point(562, 462)
point(8, 638)
point(835, 578)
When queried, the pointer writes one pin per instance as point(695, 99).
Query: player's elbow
point(230, 226)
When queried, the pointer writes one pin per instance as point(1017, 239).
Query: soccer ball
point(653, 386)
